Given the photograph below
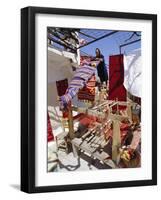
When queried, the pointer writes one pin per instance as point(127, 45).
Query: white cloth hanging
point(133, 72)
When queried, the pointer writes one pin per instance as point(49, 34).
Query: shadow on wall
point(52, 95)
point(55, 116)
point(59, 68)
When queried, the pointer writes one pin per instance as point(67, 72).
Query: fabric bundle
point(82, 75)
point(88, 91)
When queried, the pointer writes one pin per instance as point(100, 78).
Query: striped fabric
point(82, 75)
point(88, 91)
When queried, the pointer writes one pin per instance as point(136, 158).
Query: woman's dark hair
point(97, 49)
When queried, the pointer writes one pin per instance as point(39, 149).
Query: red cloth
point(62, 86)
point(116, 79)
point(123, 131)
point(50, 132)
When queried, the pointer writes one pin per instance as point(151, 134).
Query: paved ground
point(67, 162)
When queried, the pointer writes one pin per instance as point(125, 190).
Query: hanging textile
point(62, 86)
point(82, 75)
point(132, 72)
point(88, 91)
point(117, 90)
point(50, 132)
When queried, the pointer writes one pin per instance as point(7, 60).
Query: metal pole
point(107, 35)
point(89, 36)
point(123, 45)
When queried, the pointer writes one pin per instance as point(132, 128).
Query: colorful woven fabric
point(88, 91)
point(82, 75)
point(85, 60)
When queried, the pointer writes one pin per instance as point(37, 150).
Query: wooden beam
point(116, 140)
point(70, 123)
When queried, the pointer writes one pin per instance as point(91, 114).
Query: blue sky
point(110, 45)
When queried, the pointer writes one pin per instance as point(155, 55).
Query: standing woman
point(101, 67)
